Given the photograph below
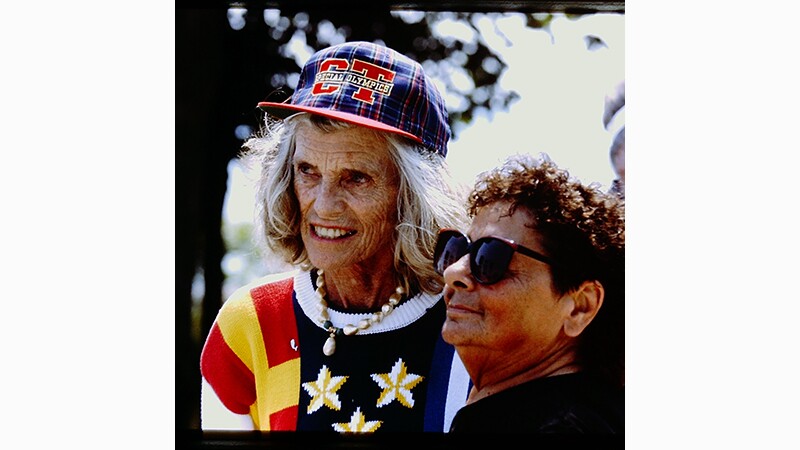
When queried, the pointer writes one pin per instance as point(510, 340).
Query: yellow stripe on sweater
point(284, 376)
point(276, 387)
point(239, 325)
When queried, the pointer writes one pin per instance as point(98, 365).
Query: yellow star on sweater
point(397, 384)
point(357, 424)
point(323, 391)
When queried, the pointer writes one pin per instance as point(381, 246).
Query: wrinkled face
point(521, 311)
point(347, 188)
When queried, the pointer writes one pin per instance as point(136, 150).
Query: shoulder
point(561, 404)
point(242, 300)
point(580, 403)
point(265, 282)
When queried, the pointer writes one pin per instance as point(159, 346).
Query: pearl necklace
point(349, 329)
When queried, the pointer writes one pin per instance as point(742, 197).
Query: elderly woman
point(354, 187)
point(535, 302)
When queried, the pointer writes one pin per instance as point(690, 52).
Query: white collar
point(403, 315)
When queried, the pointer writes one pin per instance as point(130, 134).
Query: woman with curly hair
point(535, 302)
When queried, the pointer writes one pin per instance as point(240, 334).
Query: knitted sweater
point(263, 358)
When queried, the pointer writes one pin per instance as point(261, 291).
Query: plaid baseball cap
point(372, 86)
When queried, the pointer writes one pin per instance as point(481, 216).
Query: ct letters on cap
point(367, 77)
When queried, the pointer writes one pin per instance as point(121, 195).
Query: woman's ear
point(586, 302)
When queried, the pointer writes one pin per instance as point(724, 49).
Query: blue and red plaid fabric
point(372, 86)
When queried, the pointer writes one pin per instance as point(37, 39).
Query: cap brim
point(284, 110)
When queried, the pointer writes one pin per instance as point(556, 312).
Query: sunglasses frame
point(516, 248)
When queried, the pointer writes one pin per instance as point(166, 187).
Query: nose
point(328, 203)
point(457, 276)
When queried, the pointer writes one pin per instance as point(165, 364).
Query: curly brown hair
point(583, 229)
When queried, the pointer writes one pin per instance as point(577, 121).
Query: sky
point(562, 86)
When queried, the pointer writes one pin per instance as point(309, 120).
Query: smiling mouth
point(331, 233)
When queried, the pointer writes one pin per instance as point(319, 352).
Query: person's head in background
point(614, 123)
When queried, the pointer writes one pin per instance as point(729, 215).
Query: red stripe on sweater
point(284, 420)
point(273, 303)
point(232, 381)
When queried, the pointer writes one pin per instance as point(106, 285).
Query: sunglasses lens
point(450, 247)
point(489, 260)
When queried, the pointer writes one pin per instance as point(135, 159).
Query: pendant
point(330, 346)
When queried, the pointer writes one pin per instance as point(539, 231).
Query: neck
point(350, 290)
point(490, 376)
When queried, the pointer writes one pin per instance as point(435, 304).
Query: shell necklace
point(330, 344)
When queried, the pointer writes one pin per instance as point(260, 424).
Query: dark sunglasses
point(488, 256)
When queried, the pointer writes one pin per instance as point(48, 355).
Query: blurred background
point(523, 76)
